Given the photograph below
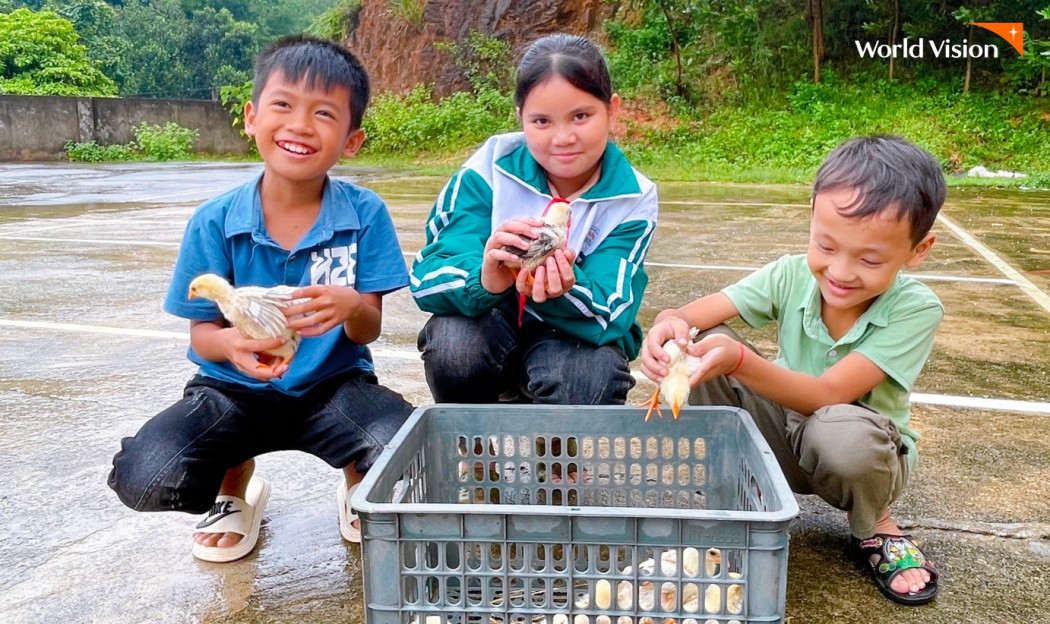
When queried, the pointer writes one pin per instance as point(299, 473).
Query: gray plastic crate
point(528, 514)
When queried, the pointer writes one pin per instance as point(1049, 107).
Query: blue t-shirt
point(352, 243)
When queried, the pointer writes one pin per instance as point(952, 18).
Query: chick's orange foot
point(654, 405)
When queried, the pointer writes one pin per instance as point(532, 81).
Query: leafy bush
point(152, 142)
point(415, 123)
point(233, 98)
point(170, 142)
point(93, 152)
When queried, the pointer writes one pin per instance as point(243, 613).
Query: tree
point(156, 31)
point(1038, 55)
point(219, 50)
point(816, 18)
point(969, 15)
point(40, 55)
point(96, 21)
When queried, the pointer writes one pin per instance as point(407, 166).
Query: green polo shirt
point(896, 332)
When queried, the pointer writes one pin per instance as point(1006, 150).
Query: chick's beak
point(676, 407)
point(192, 294)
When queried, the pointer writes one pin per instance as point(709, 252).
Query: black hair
point(888, 173)
point(322, 63)
point(574, 58)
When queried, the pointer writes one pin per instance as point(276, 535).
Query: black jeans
point(179, 457)
point(488, 358)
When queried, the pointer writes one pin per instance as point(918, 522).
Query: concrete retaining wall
point(37, 127)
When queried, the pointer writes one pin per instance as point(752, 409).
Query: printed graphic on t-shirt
point(335, 266)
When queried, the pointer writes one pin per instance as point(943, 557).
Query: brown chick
point(553, 235)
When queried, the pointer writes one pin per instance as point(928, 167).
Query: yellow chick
point(675, 386)
point(255, 311)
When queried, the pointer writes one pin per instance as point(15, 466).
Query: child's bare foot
point(909, 581)
point(349, 522)
point(235, 483)
point(231, 529)
point(901, 570)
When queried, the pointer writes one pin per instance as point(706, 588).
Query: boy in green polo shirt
point(853, 335)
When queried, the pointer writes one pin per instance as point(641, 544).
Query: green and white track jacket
point(611, 228)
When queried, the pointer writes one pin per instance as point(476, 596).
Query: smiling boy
point(853, 335)
point(293, 225)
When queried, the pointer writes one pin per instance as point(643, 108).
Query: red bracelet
point(743, 351)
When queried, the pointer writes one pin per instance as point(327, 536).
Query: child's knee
point(601, 377)
point(143, 483)
point(852, 443)
point(132, 479)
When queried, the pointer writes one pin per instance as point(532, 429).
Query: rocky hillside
point(400, 55)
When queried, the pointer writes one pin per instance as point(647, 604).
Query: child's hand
point(719, 355)
point(328, 307)
point(240, 352)
point(495, 277)
point(653, 357)
point(552, 279)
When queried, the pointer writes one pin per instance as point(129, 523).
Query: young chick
point(675, 386)
point(253, 310)
point(553, 235)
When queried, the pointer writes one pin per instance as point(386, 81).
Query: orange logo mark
point(1012, 32)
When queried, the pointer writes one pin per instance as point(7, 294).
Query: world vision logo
point(1011, 32)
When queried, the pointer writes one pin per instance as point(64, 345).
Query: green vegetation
point(409, 11)
point(338, 21)
point(790, 135)
point(39, 55)
point(170, 142)
point(152, 142)
point(755, 91)
point(738, 90)
point(161, 48)
point(92, 152)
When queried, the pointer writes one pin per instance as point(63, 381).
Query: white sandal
point(231, 514)
point(347, 516)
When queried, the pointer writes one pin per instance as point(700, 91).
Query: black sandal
point(896, 553)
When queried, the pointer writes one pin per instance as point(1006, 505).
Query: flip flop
point(231, 514)
point(347, 516)
point(896, 553)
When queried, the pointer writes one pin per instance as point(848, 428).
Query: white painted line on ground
point(95, 329)
point(717, 203)
point(154, 333)
point(1008, 405)
point(89, 241)
point(1030, 289)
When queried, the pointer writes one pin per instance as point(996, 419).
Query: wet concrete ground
point(85, 258)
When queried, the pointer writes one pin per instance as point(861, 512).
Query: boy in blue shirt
point(853, 335)
point(293, 226)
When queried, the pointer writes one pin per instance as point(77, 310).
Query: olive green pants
point(850, 456)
